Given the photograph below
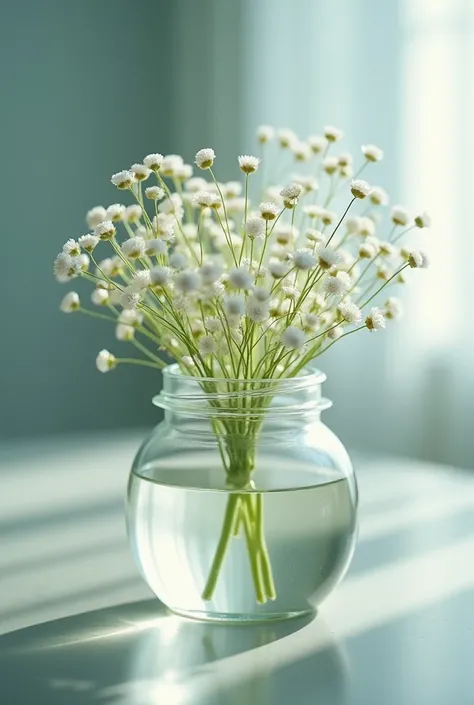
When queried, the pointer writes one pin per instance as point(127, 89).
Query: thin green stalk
point(226, 534)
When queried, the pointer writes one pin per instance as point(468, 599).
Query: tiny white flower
point(187, 281)
point(360, 188)
point(255, 227)
point(367, 251)
point(105, 361)
point(327, 257)
point(350, 312)
point(387, 249)
point(335, 333)
point(129, 299)
point(330, 165)
point(293, 338)
point(303, 260)
point(375, 320)
point(183, 172)
point(66, 267)
point(178, 260)
point(234, 305)
point(290, 292)
point(265, 133)
point(173, 205)
point(207, 345)
point(123, 179)
point(210, 272)
point(204, 159)
point(188, 361)
point(260, 293)
point(207, 199)
point(141, 280)
point(100, 297)
point(291, 192)
point(154, 193)
point(248, 164)
point(256, 310)
point(345, 159)
point(134, 247)
point(115, 212)
point(314, 236)
point(70, 302)
point(317, 143)
point(213, 324)
point(140, 172)
point(88, 242)
point(163, 225)
point(71, 247)
point(159, 276)
point(197, 183)
point(346, 172)
point(131, 317)
point(310, 322)
point(268, 210)
point(313, 211)
point(353, 225)
point(286, 138)
point(278, 270)
point(155, 248)
point(105, 230)
point(418, 259)
point(400, 216)
point(307, 182)
point(393, 308)
point(378, 196)
point(302, 151)
point(170, 164)
point(240, 278)
point(124, 332)
point(423, 220)
point(132, 213)
point(153, 161)
point(366, 226)
point(235, 205)
point(372, 153)
point(333, 134)
point(95, 216)
point(335, 286)
point(232, 189)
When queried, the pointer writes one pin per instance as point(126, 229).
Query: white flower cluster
point(237, 286)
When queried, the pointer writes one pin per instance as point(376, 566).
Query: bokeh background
point(90, 87)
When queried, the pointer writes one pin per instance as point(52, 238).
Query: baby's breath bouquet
point(243, 281)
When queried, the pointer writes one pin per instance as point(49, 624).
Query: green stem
point(226, 535)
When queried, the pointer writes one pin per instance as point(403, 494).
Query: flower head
point(372, 153)
point(124, 332)
point(153, 161)
point(187, 281)
point(115, 212)
point(393, 308)
point(70, 302)
point(240, 278)
point(330, 165)
point(257, 310)
point(375, 320)
point(129, 299)
point(268, 210)
point(134, 247)
point(159, 276)
point(265, 133)
point(88, 242)
point(418, 259)
point(71, 247)
point(140, 171)
point(317, 143)
point(255, 227)
point(335, 286)
point(367, 251)
point(399, 215)
point(423, 220)
point(154, 193)
point(66, 267)
point(248, 164)
point(132, 214)
point(105, 361)
point(207, 199)
point(178, 260)
point(95, 216)
point(291, 192)
point(207, 345)
point(293, 338)
point(327, 257)
point(170, 164)
point(378, 196)
point(123, 179)
point(360, 188)
point(302, 151)
point(303, 259)
point(210, 272)
point(350, 312)
point(204, 159)
point(278, 270)
point(366, 226)
point(234, 305)
point(155, 248)
point(286, 138)
point(314, 236)
point(105, 230)
point(333, 134)
point(100, 297)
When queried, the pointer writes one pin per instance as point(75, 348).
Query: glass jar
point(242, 504)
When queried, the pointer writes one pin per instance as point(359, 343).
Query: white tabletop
point(399, 629)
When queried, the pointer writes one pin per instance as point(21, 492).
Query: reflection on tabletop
point(139, 653)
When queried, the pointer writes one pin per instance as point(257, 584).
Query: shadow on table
point(140, 654)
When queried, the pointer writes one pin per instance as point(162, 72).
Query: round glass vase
point(242, 504)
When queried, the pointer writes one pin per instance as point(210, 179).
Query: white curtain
point(399, 74)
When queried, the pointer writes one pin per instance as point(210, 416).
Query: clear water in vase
point(175, 518)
